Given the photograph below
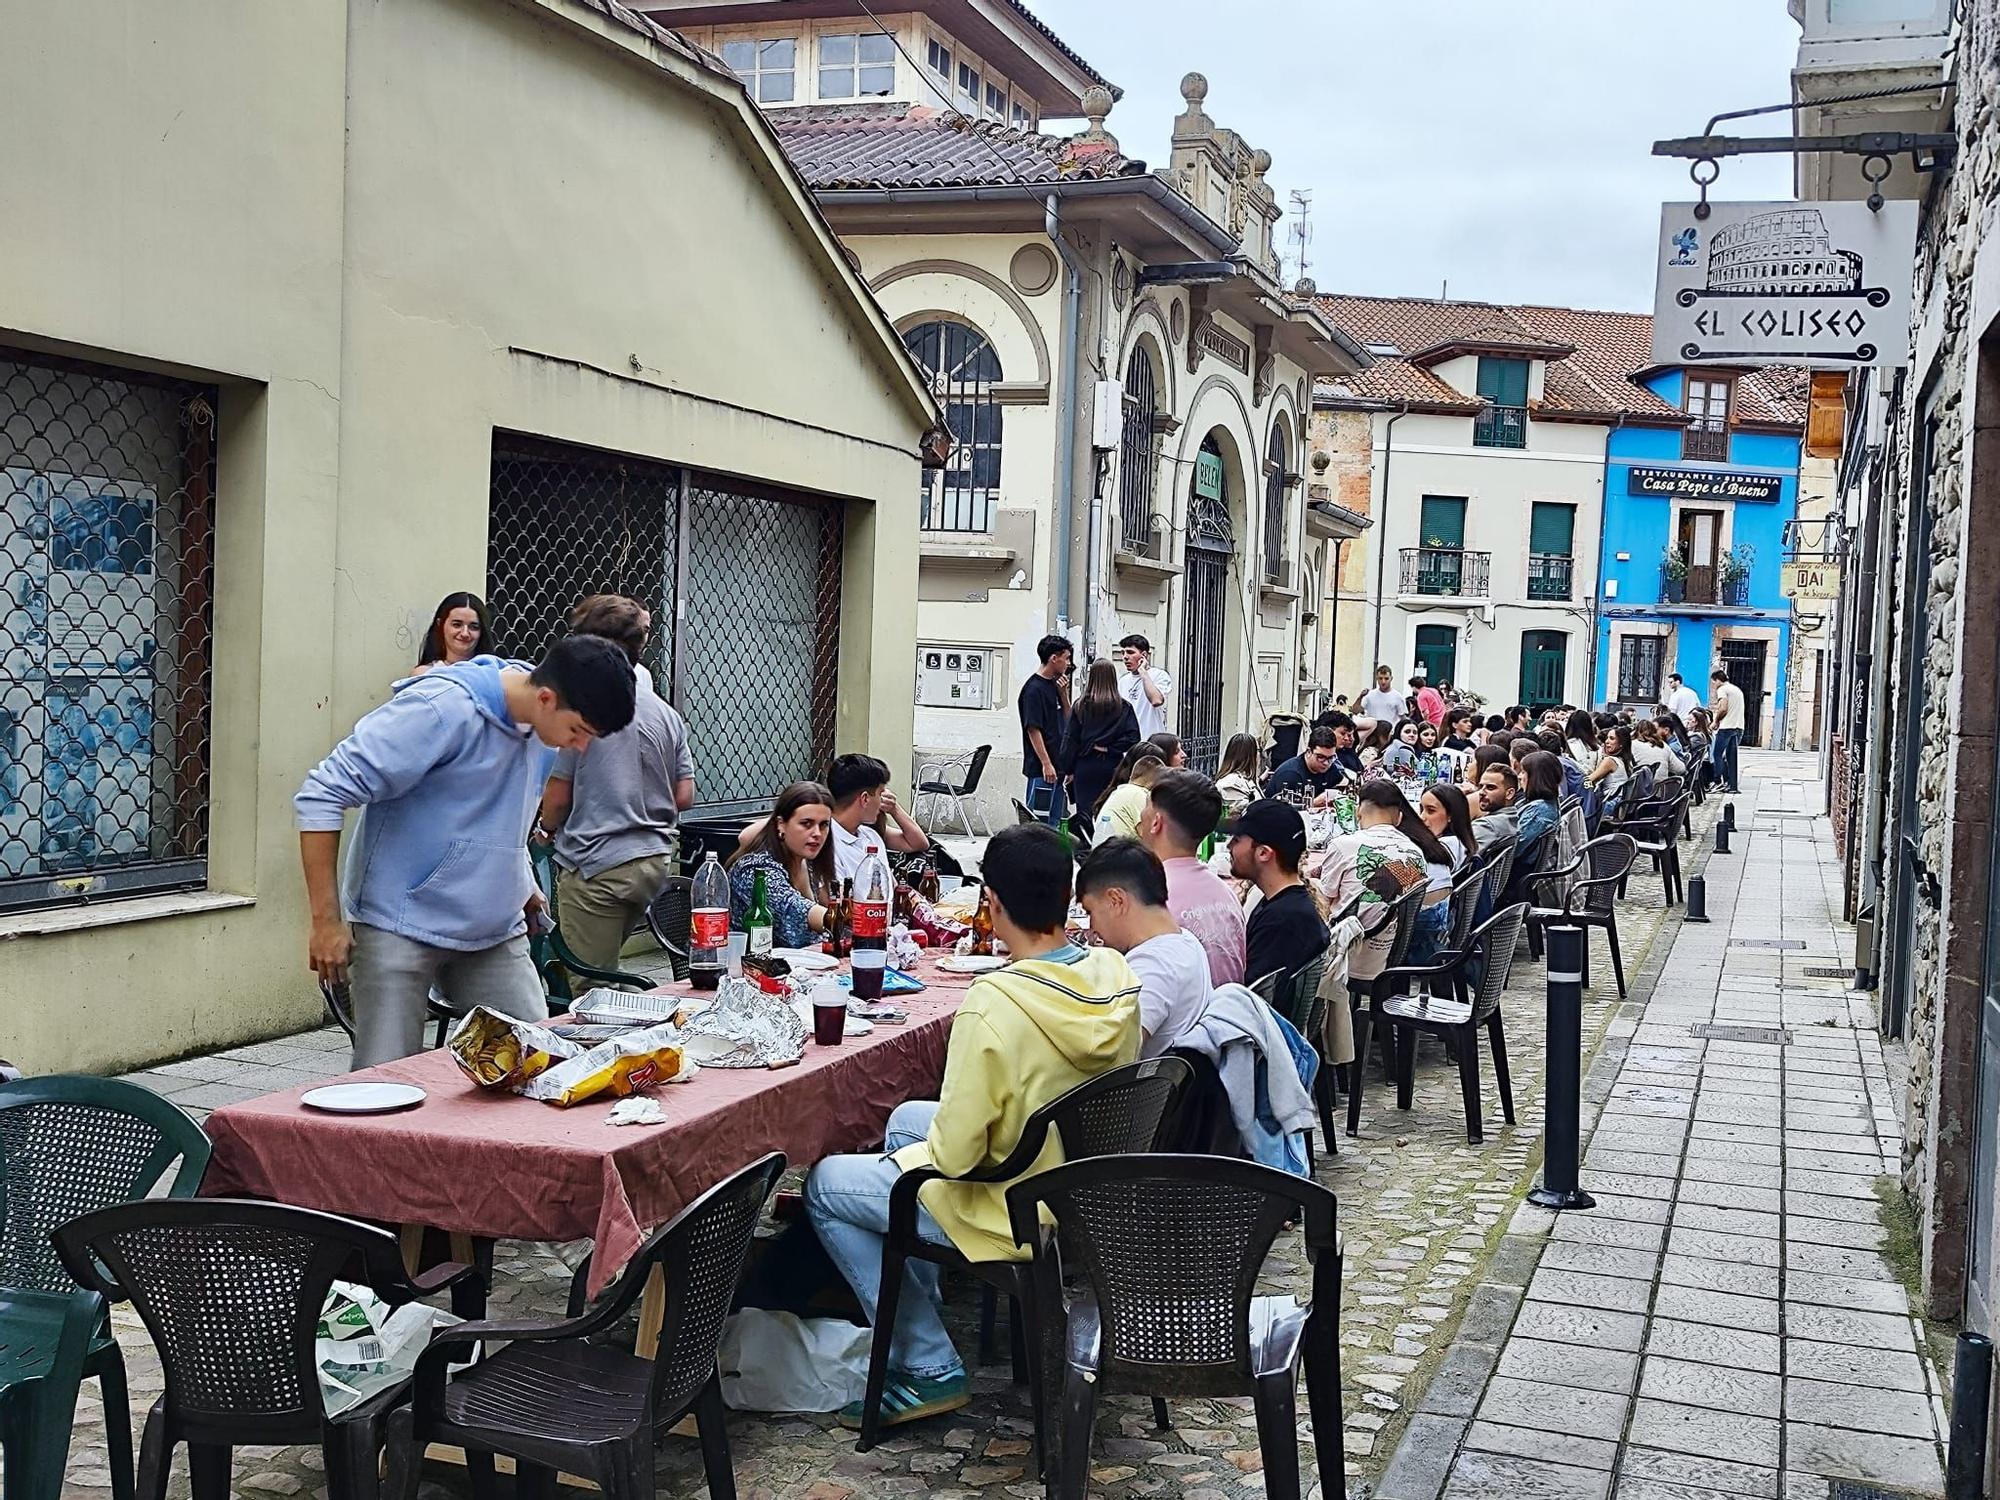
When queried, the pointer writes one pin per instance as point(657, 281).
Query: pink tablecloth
point(502, 1167)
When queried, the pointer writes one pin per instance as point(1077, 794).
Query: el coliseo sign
point(1820, 284)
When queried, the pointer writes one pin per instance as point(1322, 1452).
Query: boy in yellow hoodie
point(1056, 1016)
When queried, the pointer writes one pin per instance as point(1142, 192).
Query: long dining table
point(480, 1165)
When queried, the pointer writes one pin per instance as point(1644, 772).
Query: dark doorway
point(1744, 662)
point(1437, 653)
point(1544, 668)
point(1211, 544)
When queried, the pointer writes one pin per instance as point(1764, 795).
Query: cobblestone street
point(1421, 1211)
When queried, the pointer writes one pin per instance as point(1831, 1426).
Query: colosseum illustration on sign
point(1784, 254)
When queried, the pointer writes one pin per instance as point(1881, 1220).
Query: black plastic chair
point(1655, 831)
point(1456, 998)
point(1590, 900)
point(1365, 994)
point(670, 918)
point(1170, 1248)
point(340, 1005)
point(1133, 1108)
point(69, 1145)
point(1498, 860)
point(556, 1399)
point(231, 1292)
point(552, 956)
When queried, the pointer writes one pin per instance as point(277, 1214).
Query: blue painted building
point(1694, 535)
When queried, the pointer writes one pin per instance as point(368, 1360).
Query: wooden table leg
point(652, 1314)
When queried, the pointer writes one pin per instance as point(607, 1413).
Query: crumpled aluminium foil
point(744, 1028)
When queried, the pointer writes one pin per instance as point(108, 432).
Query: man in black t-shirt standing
point(1266, 842)
point(1313, 773)
point(1043, 702)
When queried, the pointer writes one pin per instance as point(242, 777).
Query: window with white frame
point(769, 69)
point(1024, 117)
point(996, 102)
point(939, 60)
point(968, 89)
point(857, 66)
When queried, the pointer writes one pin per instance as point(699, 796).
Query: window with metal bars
point(107, 531)
point(1640, 658)
point(962, 369)
point(1138, 465)
point(752, 574)
point(1708, 435)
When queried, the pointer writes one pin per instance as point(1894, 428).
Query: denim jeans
point(1052, 792)
point(1726, 741)
point(847, 1198)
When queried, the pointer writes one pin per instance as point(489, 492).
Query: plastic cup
point(738, 942)
point(829, 1019)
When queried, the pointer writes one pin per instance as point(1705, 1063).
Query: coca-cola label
point(871, 919)
point(711, 927)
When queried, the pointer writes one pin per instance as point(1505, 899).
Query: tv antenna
point(1301, 229)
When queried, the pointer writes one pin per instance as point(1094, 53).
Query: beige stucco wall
point(385, 239)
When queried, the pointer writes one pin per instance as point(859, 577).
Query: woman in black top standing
point(1101, 729)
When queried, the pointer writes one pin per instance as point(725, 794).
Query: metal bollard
point(1721, 838)
point(1729, 816)
point(1558, 1187)
point(1697, 899)
point(1971, 1395)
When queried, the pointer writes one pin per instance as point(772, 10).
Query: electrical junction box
point(956, 676)
point(1107, 416)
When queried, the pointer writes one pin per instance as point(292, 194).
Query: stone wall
point(1953, 767)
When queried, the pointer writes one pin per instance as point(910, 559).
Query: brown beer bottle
point(840, 921)
point(982, 929)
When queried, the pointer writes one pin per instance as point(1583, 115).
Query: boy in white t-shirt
point(1124, 888)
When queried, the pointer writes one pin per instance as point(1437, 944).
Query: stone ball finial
point(1097, 102)
point(1306, 287)
point(1260, 162)
point(1321, 460)
point(1194, 89)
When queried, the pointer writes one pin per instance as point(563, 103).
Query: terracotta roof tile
point(894, 145)
point(1596, 381)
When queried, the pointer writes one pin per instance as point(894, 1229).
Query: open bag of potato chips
point(536, 1062)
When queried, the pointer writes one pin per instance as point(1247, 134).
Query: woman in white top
point(1614, 765)
point(1581, 735)
point(1650, 748)
point(1241, 773)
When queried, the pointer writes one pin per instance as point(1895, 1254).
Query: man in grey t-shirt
point(612, 809)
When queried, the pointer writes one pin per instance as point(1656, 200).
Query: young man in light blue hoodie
point(439, 888)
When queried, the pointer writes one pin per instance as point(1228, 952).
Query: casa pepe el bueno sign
point(1825, 285)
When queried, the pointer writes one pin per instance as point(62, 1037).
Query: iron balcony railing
point(1706, 442)
point(1501, 427)
point(1447, 571)
point(1704, 586)
point(1549, 575)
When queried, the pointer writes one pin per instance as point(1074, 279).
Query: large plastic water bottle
point(709, 948)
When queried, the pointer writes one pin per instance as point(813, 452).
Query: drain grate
point(1765, 943)
point(1723, 1031)
point(1826, 971)
point(1854, 1489)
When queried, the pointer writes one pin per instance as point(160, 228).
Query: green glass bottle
point(757, 922)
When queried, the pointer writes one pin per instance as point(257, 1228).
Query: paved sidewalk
point(1724, 1323)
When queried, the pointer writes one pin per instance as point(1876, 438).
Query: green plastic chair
point(553, 959)
point(44, 1338)
point(70, 1145)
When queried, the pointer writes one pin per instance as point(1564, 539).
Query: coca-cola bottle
point(709, 939)
point(874, 889)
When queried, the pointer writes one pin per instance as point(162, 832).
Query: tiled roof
point(1062, 46)
point(1597, 381)
point(912, 146)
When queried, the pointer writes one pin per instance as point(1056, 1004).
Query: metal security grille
point(1275, 464)
point(759, 644)
point(963, 369)
point(1137, 466)
point(1211, 543)
point(107, 525)
point(1640, 658)
point(751, 574)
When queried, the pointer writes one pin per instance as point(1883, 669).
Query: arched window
point(1277, 461)
point(1137, 465)
point(963, 369)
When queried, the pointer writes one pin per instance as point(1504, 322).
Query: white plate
point(363, 1098)
point(811, 960)
point(971, 963)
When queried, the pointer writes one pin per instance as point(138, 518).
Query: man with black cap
point(1266, 842)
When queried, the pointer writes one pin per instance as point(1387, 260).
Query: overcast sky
point(1500, 145)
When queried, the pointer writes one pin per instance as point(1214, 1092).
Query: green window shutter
point(1504, 382)
point(1551, 529)
point(1442, 522)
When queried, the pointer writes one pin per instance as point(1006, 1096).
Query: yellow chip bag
point(499, 1052)
point(623, 1065)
